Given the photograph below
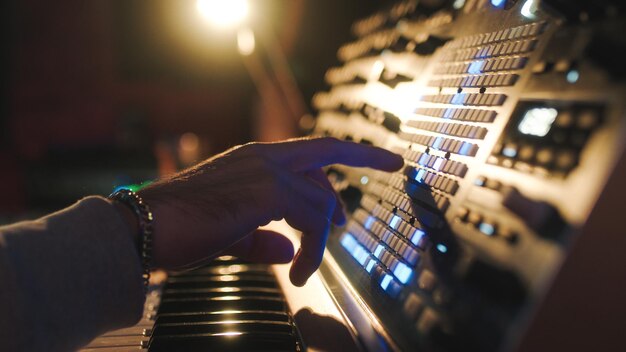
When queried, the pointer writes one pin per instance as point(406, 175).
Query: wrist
point(130, 220)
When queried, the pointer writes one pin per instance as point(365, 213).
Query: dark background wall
point(98, 93)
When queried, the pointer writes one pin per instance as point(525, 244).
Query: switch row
point(451, 129)
point(493, 50)
point(413, 234)
point(471, 99)
point(487, 227)
point(441, 143)
point(371, 44)
point(431, 179)
point(405, 202)
point(497, 80)
point(514, 33)
point(474, 115)
point(435, 162)
point(482, 66)
point(343, 75)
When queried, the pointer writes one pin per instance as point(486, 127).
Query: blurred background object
point(105, 93)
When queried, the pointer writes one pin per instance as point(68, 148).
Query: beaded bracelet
point(145, 219)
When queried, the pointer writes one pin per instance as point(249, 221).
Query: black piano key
point(222, 315)
point(221, 303)
point(232, 342)
point(212, 282)
point(217, 327)
point(221, 292)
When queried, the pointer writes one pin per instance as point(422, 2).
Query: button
point(412, 306)
point(544, 156)
point(487, 228)
point(566, 160)
point(427, 321)
point(474, 218)
point(526, 153)
point(462, 214)
point(427, 281)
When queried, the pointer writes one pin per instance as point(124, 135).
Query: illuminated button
point(385, 281)
point(419, 176)
point(427, 281)
point(480, 181)
point(412, 306)
point(349, 242)
point(370, 265)
point(418, 238)
point(394, 222)
point(509, 150)
point(487, 228)
point(402, 272)
point(378, 251)
point(368, 223)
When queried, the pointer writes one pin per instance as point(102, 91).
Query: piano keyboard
point(226, 305)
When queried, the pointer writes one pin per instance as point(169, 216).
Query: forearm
point(67, 278)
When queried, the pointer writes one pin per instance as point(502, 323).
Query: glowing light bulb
point(223, 13)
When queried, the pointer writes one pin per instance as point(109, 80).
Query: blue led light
point(487, 229)
point(403, 273)
point(573, 76)
point(370, 266)
point(385, 282)
point(378, 251)
point(423, 159)
point(437, 164)
point(417, 237)
point(349, 242)
point(458, 99)
point(465, 149)
point(361, 255)
point(369, 222)
point(475, 67)
point(438, 142)
point(509, 152)
point(497, 3)
point(420, 175)
point(442, 248)
point(394, 221)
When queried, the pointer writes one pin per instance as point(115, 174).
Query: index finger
point(307, 154)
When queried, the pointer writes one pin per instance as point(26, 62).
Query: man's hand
point(217, 206)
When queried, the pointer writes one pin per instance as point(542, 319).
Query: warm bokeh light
point(224, 13)
point(245, 41)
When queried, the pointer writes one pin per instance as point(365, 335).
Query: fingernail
point(297, 275)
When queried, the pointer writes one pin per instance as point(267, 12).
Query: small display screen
point(537, 121)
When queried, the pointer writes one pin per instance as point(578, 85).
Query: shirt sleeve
point(67, 278)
